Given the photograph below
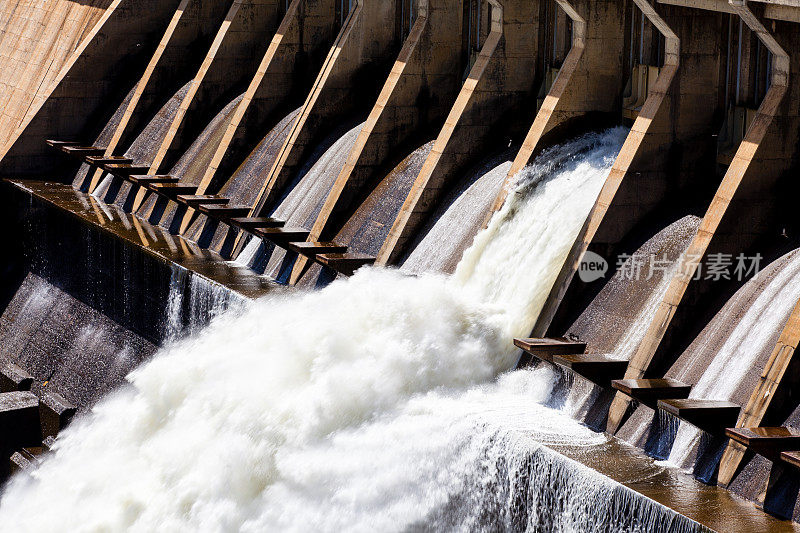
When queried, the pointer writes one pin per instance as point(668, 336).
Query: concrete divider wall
point(764, 393)
point(90, 86)
point(488, 111)
point(420, 90)
point(590, 79)
point(667, 164)
point(349, 78)
point(36, 39)
point(774, 376)
point(280, 82)
point(176, 59)
point(229, 65)
point(742, 218)
point(415, 99)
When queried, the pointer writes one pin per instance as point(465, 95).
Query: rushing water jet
point(308, 369)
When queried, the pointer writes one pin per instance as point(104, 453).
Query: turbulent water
point(374, 404)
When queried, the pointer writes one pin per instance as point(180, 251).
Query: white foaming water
point(366, 405)
point(516, 260)
point(754, 335)
point(207, 300)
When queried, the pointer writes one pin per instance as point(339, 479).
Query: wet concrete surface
point(708, 505)
point(151, 239)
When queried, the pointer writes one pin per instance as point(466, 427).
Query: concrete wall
point(417, 95)
point(486, 113)
point(283, 78)
point(350, 77)
point(589, 81)
point(37, 38)
point(742, 217)
point(176, 59)
point(229, 65)
point(419, 92)
point(92, 83)
point(667, 164)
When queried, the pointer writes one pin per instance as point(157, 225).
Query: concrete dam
point(400, 265)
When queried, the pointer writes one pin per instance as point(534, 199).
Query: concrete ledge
point(19, 420)
point(13, 378)
point(712, 416)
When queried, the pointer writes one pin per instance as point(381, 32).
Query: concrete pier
point(418, 93)
point(486, 111)
point(359, 56)
point(736, 219)
point(284, 74)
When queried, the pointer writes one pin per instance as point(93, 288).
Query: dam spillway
point(410, 265)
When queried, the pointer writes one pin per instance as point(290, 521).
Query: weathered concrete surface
point(487, 111)
point(37, 38)
point(644, 173)
point(763, 394)
point(285, 73)
point(229, 64)
point(78, 103)
point(191, 27)
point(420, 90)
point(741, 213)
point(348, 79)
point(231, 60)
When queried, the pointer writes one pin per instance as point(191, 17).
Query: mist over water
point(382, 402)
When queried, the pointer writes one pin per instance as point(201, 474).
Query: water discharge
point(379, 402)
point(303, 200)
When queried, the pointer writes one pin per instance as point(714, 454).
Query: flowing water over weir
point(191, 308)
point(616, 320)
point(382, 401)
